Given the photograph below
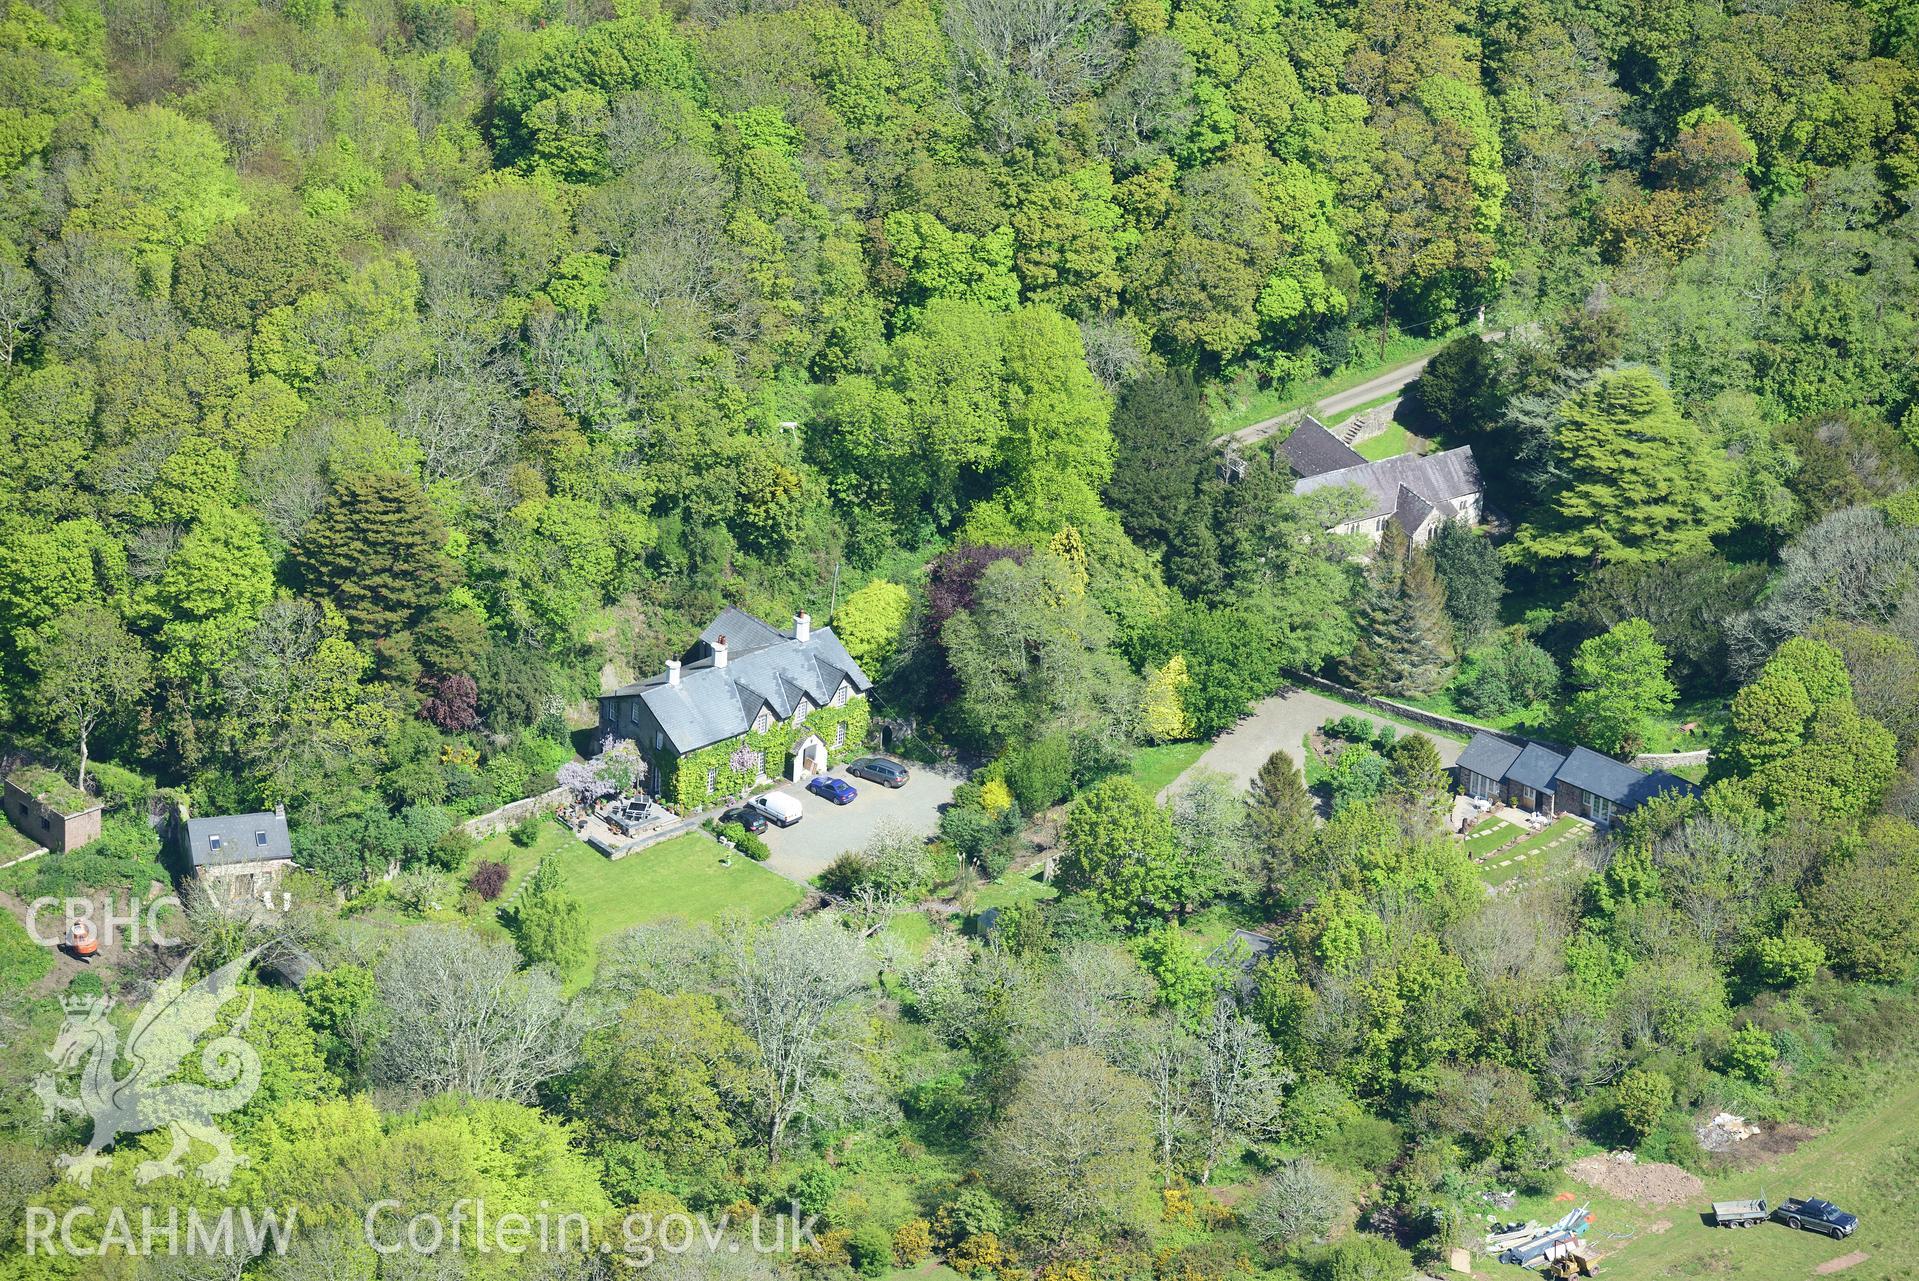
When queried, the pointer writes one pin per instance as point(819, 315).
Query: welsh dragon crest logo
point(147, 1097)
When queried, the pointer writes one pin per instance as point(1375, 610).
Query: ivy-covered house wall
point(727, 769)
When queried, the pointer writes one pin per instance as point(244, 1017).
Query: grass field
point(1155, 767)
point(690, 877)
point(1867, 1164)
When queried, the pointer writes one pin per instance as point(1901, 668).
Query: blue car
point(836, 790)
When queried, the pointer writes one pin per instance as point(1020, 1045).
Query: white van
point(778, 807)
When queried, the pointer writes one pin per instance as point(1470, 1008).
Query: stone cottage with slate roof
point(1419, 491)
point(238, 858)
point(1533, 777)
point(747, 703)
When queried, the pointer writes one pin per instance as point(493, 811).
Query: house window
point(1602, 810)
point(839, 736)
point(659, 739)
point(712, 779)
point(260, 839)
point(801, 710)
point(763, 721)
point(840, 694)
point(213, 843)
point(758, 761)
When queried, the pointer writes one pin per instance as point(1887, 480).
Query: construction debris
point(1529, 1245)
point(1459, 1259)
point(1725, 1130)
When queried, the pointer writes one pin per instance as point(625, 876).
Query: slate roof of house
point(1436, 478)
point(1412, 509)
point(242, 838)
point(1620, 784)
point(1536, 767)
point(1488, 754)
point(711, 704)
point(1311, 449)
point(1539, 767)
point(743, 632)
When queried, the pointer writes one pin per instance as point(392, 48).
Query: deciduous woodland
point(383, 382)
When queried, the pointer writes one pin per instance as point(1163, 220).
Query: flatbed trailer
point(1740, 1214)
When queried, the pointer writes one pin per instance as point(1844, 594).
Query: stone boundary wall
point(1453, 725)
point(1399, 711)
point(507, 815)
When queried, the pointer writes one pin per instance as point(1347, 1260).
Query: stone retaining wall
point(1399, 711)
point(507, 815)
point(1666, 760)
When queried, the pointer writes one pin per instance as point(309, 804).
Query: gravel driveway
point(1280, 722)
point(826, 830)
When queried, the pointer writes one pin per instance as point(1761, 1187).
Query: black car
point(877, 769)
point(750, 819)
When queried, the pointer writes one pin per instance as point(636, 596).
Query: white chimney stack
point(672, 671)
point(802, 627)
point(719, 650)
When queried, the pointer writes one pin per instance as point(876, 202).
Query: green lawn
point(1011, 889)
point(1664, 734)
point(1489, 835)
point(912, 929)
point(1393, 441)
point(22, 960)
point(690, 876)
point(1549, 849)
point(1155, 767)
point(1867, 1164)
point(1711, 716)
point(13, 844)
point(1235, 405)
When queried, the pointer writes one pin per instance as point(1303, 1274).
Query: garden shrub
point(526, 831)
point(912, 1242)
point(845, 874)
point(745, 842)
point(488, 880)
point(1040, 773)
point(870, 1250)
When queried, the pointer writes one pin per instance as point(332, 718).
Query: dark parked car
point(836, 790)
point(750, 819)
point(1817, 1215)
point(877, 769)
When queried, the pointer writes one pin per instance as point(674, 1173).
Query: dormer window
point(762, 722)
point(801, 712)
point(841, 694)
point(260, 839)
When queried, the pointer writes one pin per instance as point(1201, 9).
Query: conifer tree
point(1405, 638)
point(1281, 813)
point(377, 550)
point(1638, 481)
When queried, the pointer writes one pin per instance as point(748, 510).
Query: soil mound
point(1648, 1182)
